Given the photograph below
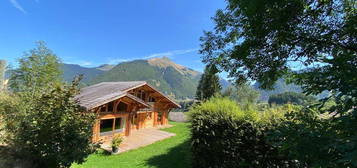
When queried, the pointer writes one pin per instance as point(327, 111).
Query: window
point(110, 106)
point(122, 107)
point(138, 94)
point(119, 124)
point(151, 99)
point(134, 120)
point(143, 96)
point(148, 116)
point(103, 109)
point(106, 125)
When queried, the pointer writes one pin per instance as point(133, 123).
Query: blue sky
point(94, 32)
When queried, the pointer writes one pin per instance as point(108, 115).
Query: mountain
point(105, 67)
point(280, 86)
point(171, 78)
point(72, 70)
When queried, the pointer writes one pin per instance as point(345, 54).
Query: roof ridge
point(121, 82)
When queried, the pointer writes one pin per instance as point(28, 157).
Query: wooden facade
point(137, 107)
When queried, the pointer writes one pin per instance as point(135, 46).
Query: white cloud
point(85, 63)
point(116, 61)
point(171, 53)
point(154, 55)
point(81, 63)
point(18, 6)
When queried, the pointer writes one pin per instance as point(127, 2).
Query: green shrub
point(50, 130)
point(117, 140)
point(317, 141)
point(226, 135)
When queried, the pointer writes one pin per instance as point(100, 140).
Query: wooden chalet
point(123, 107)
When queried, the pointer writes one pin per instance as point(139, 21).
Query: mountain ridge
point(173, 79)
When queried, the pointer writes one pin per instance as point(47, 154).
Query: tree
point(51, 131)
point(38, 69)
point(291, 97)
point(2, 73)
point(209, 84)
point(266, 40)
point(244, 94)
point(42, 119)
point(259, 40)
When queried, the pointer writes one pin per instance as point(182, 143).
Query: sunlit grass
point(169, 153)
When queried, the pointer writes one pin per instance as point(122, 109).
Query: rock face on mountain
point(105, 67)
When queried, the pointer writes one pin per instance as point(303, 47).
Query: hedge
point(227, 136)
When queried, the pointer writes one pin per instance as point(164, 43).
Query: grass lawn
point(169, 153)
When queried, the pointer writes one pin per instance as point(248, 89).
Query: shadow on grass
point(102, 152)
point(177, 157)
point(9, 159)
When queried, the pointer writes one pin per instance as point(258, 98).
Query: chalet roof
point(105, 92)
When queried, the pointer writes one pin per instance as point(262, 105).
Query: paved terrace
point(139, 138)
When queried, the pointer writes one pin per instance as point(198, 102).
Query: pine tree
point(209, 84)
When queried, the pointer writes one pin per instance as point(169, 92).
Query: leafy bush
point(51, 130)
point(117, 140)
point(225, 135)
point(317, 141)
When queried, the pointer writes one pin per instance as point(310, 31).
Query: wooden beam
point(113, 127)
point(111, 116)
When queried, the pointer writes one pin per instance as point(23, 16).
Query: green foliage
point(251, 44)
point(317, 36)
point(291, 97)
point(38, 69)
point(316, 141)
point(116, 141)
point(226, 135)
point(51, 129)
point(209, 84)
point(42, 120)
point(244, 94)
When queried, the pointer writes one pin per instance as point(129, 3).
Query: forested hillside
point(279, 87)
point(71, 70)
